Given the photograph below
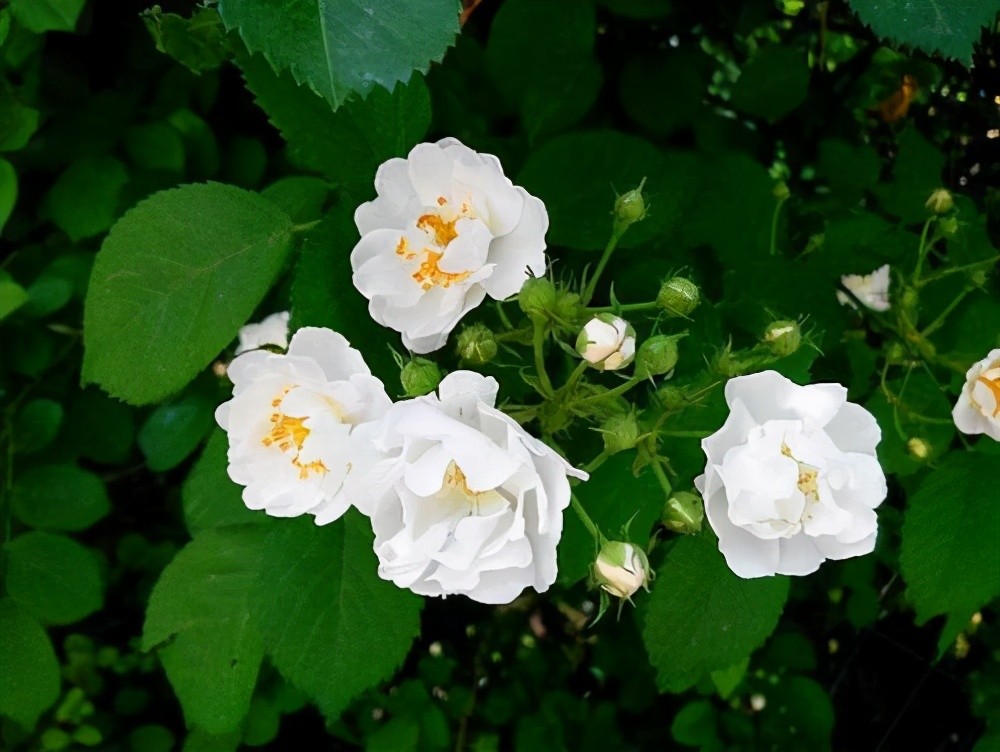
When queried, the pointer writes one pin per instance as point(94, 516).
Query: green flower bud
point(419, 377)
point(678, 296)
point(671, 397)
point(477, 345)
point(630, 207)
point(919, 449)
point(620, 433)
point(683, 512)
point(783, 337)
point(657, 355)
point(780, 191)
point(621, 569)
point(949, 226)
point(940, 201)
point(537, 298)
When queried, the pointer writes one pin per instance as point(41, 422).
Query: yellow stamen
point(994, 387)
point(429, 274)
point(444, 231)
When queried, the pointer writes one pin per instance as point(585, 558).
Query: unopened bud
point(630, 207)
point(657, 355)
point(477, 345)
point(683, 512)
point(948, 226)
point(780, 191)
point(918, 449)
point(620, 433)
point(537, 298)
point(671, 397)
point(783, 337)
point(419, 377)
point(607, 342)
point(621, 569)
point(940, 201)
point(678, 296)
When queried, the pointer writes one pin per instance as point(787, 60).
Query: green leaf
point(29, 671)
point(682, 73)
point(347, 145)
point(198, 43)
point(773, 84)
point(199, 619)
point(8, 191)
point(12, 295)
point(200, 740)
point(174, 280)
point(944, 26)
point(695, 725)
point(211, 499)
point(85, 199)
point(37, 424)
point(18, 122)
point(949, 556)
point(341, 46)
point(323, 294)
point(40, 16)
point(541, 55)
point(318, 601)
point(61, 498)
point(576, 175)
point(176, 428)
point(53, 577)
point(155, 146)
point(701, 617)
point(915, 174)
point(301, 197)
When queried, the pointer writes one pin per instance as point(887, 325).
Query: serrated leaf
point(341, 46)
point(174, 280)
point(199, 619)
point(949, 556)
point(211, 499)
point(53, 577)
point(59, 497)
point(701, 617)
point(949, 27)
point(331, 626)
point(347, 145)
point(29, 671)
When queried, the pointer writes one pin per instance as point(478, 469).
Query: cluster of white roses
point(460, 497)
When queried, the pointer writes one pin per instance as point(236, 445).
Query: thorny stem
point(588, 292)
point(957, 269)
point(585, 518)
point(616, 392)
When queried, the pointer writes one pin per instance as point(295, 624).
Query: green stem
point(585, 519)
point(957, 269)
point(574, 377)
point(922, 250)
point(939, 321)
point(588, 293)
point(595, 463)
point(661, 476)
point(626, 308)
point(774, 226)
point(538, 342)
point(686, 434)
point(617, 391)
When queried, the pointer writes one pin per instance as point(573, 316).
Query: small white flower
point(446, 229)
point(792, 478)
point(271, 331)
point(871, 289)
point(607, 342)
point(462, 500)
point(290, 423)
point(621, 569)
point(978, 407)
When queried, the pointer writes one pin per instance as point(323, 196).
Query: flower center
point(455, 489)
point(429, 274)
point(289, 435)
point(991, 380)
point(441, 230)
point(808, 475)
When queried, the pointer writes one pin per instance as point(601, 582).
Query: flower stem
point(588, 292)
point(574, 377)
point(957, 269)
point(774, 226)
point(595, 463)
point(538, 341)
point(939, 321)
point(922, 250)
point(585, 519)
point(616, 392)
point(625, 308)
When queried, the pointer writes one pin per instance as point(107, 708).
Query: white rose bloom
point(871, 289)
point(271, 331)
point(446, 229)
point(978, 407)
point(290, 423)
point(607, 342)
point(792, 478)
point(462, 500)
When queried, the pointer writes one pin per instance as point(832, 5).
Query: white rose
point(271, 331)
point(607, 342)
point(792, 478)
point(978, 407)
point(446, 229)
point(462, 500)
point(290, 423)
point(871, 289)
